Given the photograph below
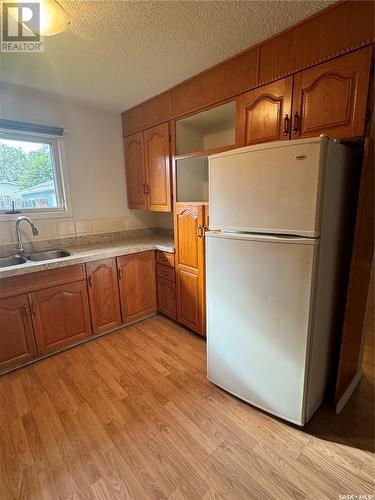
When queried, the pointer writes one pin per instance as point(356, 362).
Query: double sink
point(16, 260)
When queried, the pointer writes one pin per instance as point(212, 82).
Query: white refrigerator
point(274, 254)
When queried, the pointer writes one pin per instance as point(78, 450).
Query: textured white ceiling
point(116, 54)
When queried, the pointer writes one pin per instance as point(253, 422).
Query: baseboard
point(349, 391)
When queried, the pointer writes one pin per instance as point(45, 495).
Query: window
point(32, 173)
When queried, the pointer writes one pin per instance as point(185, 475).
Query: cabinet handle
point(25, 308)
point(146, 188)
point(119, 274)
point(200, 231)
point(296, 122)
point(90, 281)
point(286, 124)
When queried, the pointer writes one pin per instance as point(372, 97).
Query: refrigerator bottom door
point(259, 295)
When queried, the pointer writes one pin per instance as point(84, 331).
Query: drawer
point(165, 272)
point(165, 258)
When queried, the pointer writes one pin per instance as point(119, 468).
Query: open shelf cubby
point(208, 130)
point(192, 179)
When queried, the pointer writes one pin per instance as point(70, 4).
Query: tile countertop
point(96, 251)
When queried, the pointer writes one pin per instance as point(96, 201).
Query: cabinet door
point(104, 295)
point(264, 113)
point(167, 297)
point(157, 162)
point(135, 172)
point(17, 344)
point(189, 241)
point(61, 316)
point(137, 282)
point(331, 98)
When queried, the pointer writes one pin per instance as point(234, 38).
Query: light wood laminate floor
point(132, 415)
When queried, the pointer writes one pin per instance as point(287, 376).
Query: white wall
point(95, 162)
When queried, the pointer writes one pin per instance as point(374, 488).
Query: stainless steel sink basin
point(13, 260)
point(48, 255)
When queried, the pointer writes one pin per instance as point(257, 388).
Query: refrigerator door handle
point(272, 238)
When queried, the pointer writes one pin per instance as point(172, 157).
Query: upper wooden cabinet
point(135, 172)
point(147, 161)
point(61, 316)
point(189, 225)
point(331, 98)
point(147, 114)
point(16, 332)
point(137, 283)
point(264, 113)
point(341, 28)
point(104, 295)
point(157, 160)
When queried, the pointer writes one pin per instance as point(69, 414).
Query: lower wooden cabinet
point(104, 295)
point(61, 316)
point(46, 311)
point(17, 344)
point(167, 297)
point(189, 300)
point(189, 228)
point(137, 284)
point(166, 284)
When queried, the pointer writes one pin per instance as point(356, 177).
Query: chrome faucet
point(20, 249)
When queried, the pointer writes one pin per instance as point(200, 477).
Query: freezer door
point(269, 189)
point(258, 312)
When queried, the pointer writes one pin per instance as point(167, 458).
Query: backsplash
point(84, 240)
point(52, 230)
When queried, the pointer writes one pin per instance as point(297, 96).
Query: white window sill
point(37, 215)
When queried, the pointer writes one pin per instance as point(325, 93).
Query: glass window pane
point(27, 175)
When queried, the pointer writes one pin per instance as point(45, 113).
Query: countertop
point(91, 252)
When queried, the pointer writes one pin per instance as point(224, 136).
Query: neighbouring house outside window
point(32, 170)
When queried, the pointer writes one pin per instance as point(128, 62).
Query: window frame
point(60, 175)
